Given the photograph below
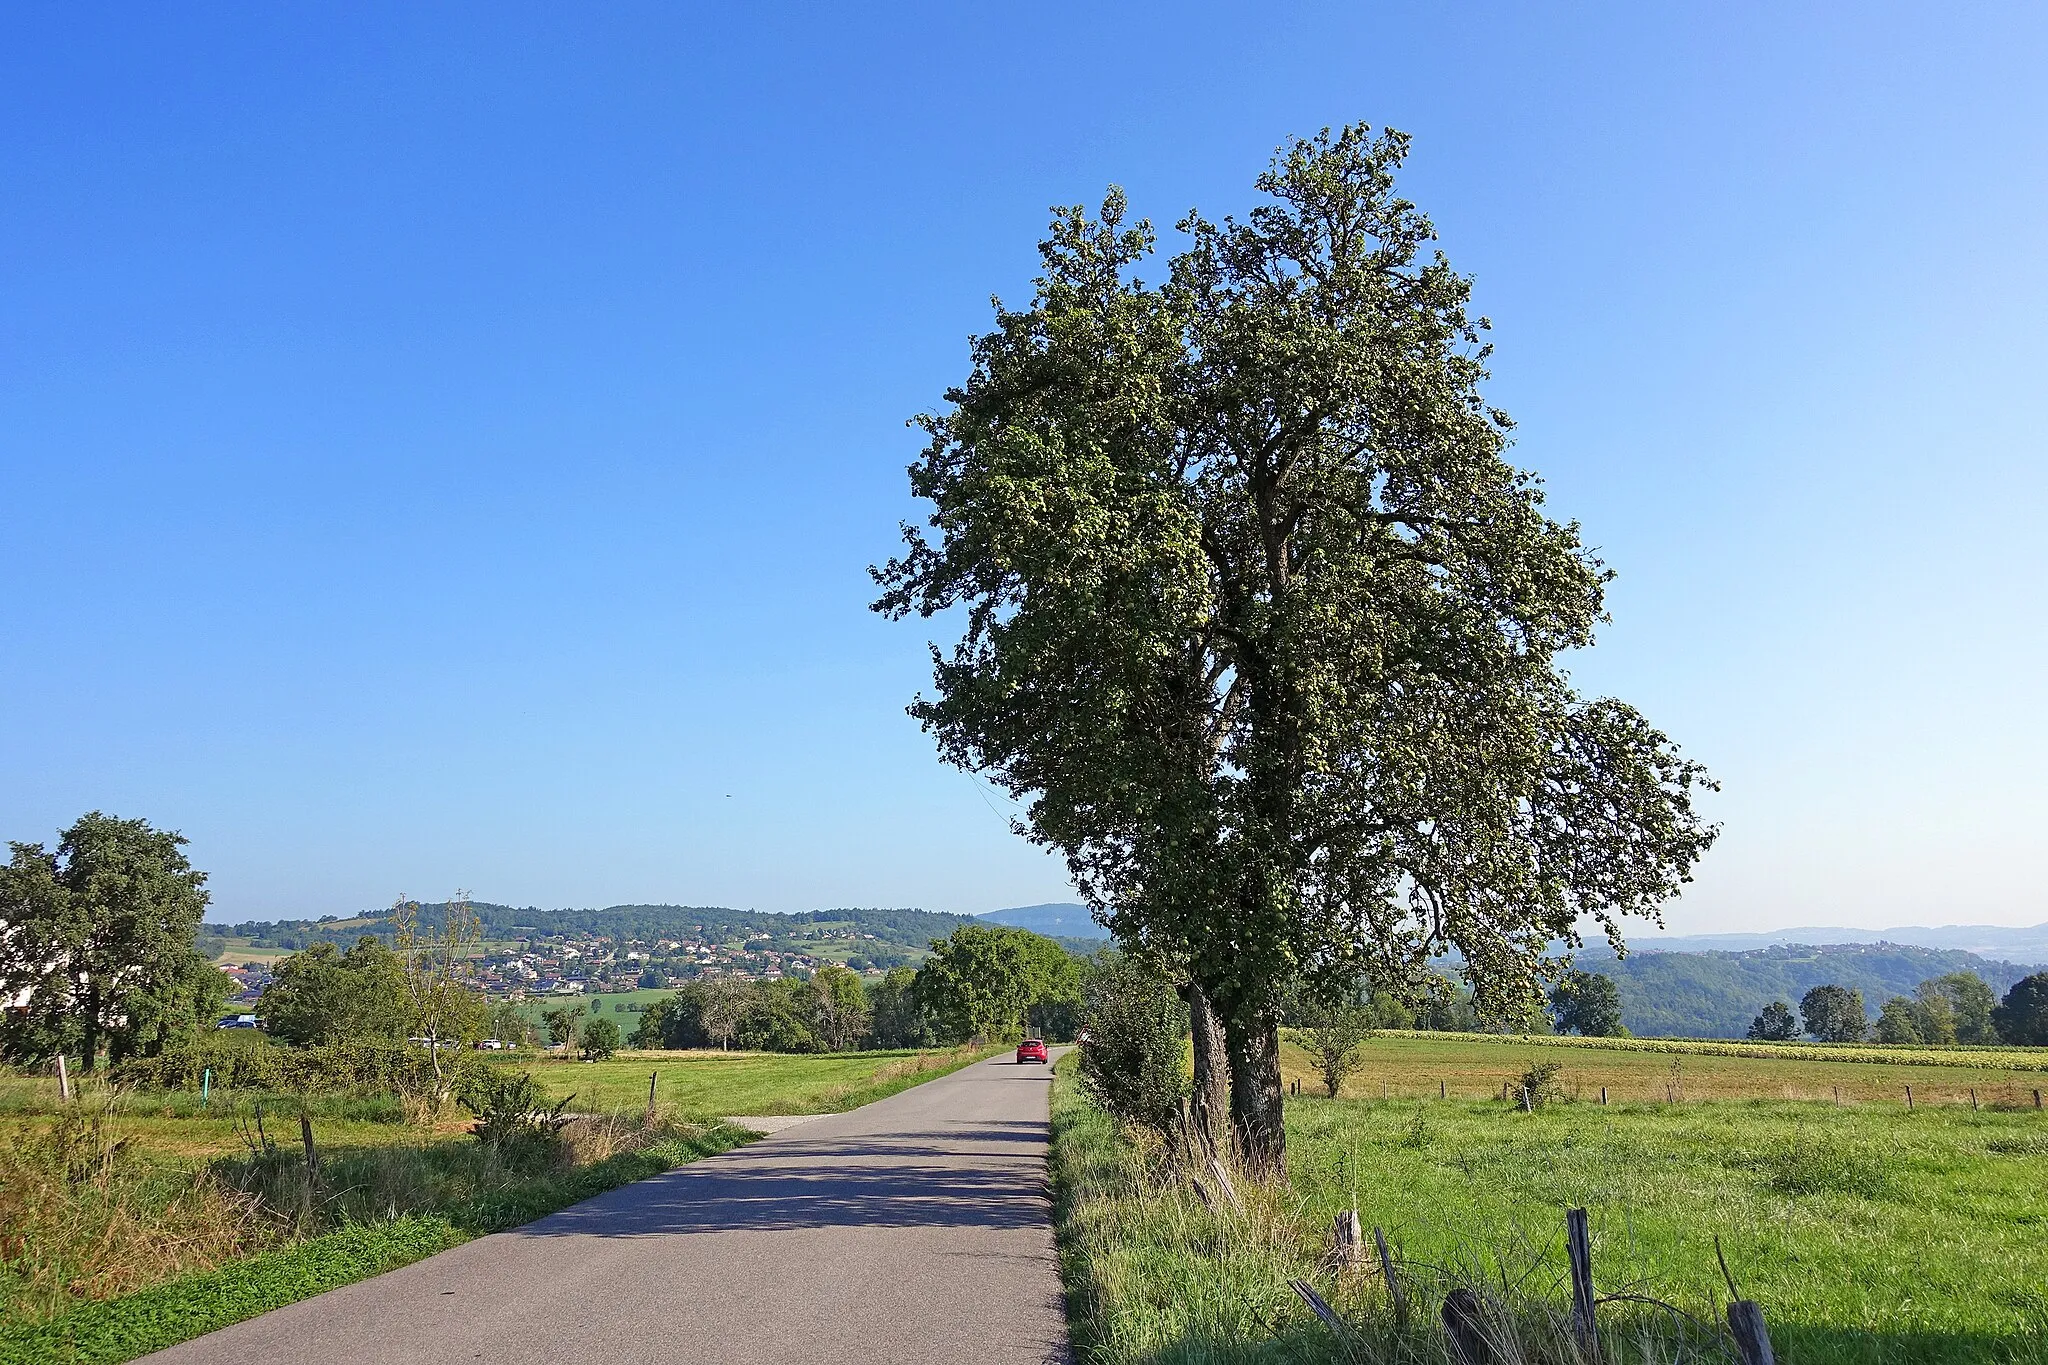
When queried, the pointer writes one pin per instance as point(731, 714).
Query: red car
point(1031, 1050)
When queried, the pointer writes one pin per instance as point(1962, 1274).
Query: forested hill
point(910, 929)
point(1716, 995)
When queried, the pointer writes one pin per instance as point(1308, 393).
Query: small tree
point(1775, 1024)
point(841, 1003)
point(437, 974)
point(1334, 1037)
point(1587, 1003)
point(561, 1024)
point(1834, 1014)
point(2022, 1018)
point(1898, 1021)
point(600, 1040)
point(722, 1008)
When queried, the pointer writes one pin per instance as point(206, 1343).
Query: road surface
point(914, 1229)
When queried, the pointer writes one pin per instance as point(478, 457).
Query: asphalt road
point(914, 1229)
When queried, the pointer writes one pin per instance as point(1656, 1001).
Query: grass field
point(707, 1085)
point(1411, 1066)
point(1868, 1233)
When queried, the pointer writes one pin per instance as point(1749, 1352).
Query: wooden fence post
point(1350, 1245)
point(2037, 1099)
point(1462, 1325)
point(1394, 1290)
point(312, 1168)
point(1973, 1099)
point(1603, 1094)
point(1578, 1247)
point(1441, 1093)
point(64, 1083)
point(652, 1076)
point(1528, 1102)
point(1752, 1339)
point(1909, 1097)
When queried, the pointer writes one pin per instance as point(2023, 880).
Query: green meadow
point(1866, 1232)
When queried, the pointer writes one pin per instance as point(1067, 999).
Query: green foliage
point(1263, 625)
point(323, 995)
point(1899, 1022)
point(1967, 1000)
point(984, 980)
point(96, 944)
point(561, 1024)
point(2022, 1017)
point(513, 1113)
point(1718, 994)
point(1775, 1023)
point(1541, 1083)
point(839, 1003)
point(900, 1019)
point(600, 1040)
point(1587, 1003)
point(243, 1060)
point(1137, 1026)
point(1834, 1014)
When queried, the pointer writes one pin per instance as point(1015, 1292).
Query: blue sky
point(442, 446)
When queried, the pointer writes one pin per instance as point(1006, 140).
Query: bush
point(1541, 1084)
point(1130, 1063)
point(242, 1060)
point(513, 1113)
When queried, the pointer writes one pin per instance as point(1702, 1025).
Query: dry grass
point(1412, 1066)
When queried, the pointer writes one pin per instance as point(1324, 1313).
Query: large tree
point(983, 979)
point(324, 995)
point(96, 942)
point(1263, 625)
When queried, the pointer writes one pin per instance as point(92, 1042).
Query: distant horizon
point(1633, 932)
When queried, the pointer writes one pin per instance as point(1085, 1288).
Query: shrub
point(1541, 1084)
point(513, 1113)
point(1130, 1064)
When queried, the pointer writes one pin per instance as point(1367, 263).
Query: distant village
point(591, 964)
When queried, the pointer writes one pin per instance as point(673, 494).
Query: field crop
point(1475, 1065)
point(1867, 1232)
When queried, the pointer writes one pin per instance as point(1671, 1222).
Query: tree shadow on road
point(903, 1181)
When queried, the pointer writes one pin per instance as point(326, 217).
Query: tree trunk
point(1212, 1075)
point(89, 1028)
point(1252, 1036)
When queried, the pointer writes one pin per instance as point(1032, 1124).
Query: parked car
point(1032, 1050)
point(239, 1021)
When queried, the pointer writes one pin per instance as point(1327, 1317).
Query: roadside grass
point(1473, 1067)
point(129, 1222)
point(1866, 1233)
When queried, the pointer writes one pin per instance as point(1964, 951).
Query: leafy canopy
point(96, 944)
point(1258, 618)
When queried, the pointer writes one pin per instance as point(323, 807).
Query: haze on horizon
point(444, 449)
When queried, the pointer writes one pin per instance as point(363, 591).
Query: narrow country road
point(915, 1229)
